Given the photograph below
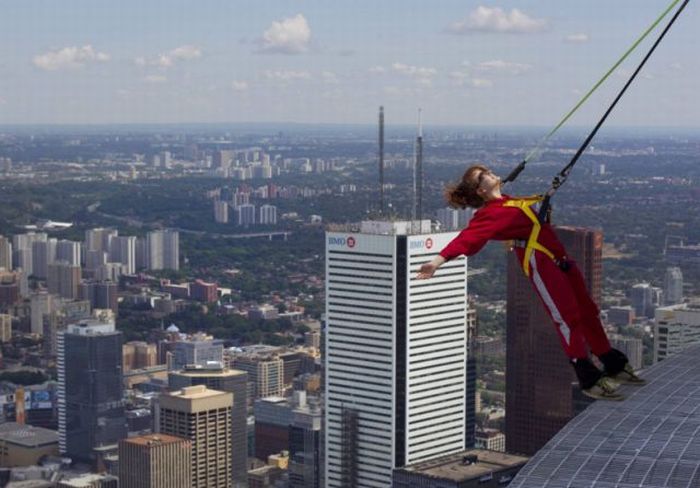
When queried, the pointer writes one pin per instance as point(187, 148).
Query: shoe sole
point(615, 397)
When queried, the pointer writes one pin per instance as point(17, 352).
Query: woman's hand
point(426, 271)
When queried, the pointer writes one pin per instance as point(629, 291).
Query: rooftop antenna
point(381, 161)
point(418, 174)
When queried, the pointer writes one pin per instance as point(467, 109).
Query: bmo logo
point(426, 244)
point(342, 241)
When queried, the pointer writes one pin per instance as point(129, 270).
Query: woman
point(557, 279)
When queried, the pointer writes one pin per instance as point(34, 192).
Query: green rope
point(601, 81)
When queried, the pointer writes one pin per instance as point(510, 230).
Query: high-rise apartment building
point(69, 251)
point(231, 381)
point(245, 215)
point(163, 249)
point(202, 416)
point(99, 239)
point(90, 388)
point(204, 292)
point(5, 327)
point(64, 279)
point(396, 354)
point(538, 375)
point(673, 286)
point(268, 215)
point(265, 374)
point(22, 250)
point(43, 254)
point(100, 294)
point(5, 253)
point(123, 250)
point(155, 461)
point(221, 212)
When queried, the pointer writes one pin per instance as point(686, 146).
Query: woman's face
point(486, 181)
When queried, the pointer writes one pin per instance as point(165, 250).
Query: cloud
point(481, 83)
point(155, 79)
point(239, 85)
point(287, 75)
point(377, 70)
point(329, 77)
point(168, 59)
point(287, 36)
point(577, 38)
point(422, 76)
point(487, 19)
point(500, 66)
point(69, 57)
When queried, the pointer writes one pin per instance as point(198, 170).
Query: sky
point(463, 62)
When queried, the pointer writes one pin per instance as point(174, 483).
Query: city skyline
point(464, 64)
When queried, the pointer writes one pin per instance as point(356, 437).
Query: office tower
point(163, 249)
point(100, 294)
point(5, 253)
point(155, 461)
point(538, 375)
point(43, 254)
point(41, 303)
point(231, 381)
point(204, 292)
point(63, 279)
point(273, 416)
point(123, 250)
point(621, 315)
point(632, 347)
point(268, 215)
point(305, 446)
point(90, 389)
point(673, 286)
point(265, 374)
point(99, 239)
point(202, 416)
point(68, 251)
point(63, 312)
point(245, 215)
point(166, 160)
point(221, 212)
point(199, 349)
point(5, 327)
point(642, 297)
point(470, 416)
point(396, 353)
point(448, 218)
point(676, 327)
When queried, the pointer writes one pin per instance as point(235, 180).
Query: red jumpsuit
point(563, 293)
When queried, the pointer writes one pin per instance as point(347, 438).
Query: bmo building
point(396, 353)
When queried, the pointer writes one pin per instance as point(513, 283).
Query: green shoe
point(604, 389)
point(628, 377)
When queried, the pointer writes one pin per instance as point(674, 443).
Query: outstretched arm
point(428, 269)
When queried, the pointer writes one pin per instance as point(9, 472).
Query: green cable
point(600, 82)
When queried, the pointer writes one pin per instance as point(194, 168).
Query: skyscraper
point(200, 350)
point(99, 239)
point(163, 249)
point(673, 286)
point(63, 279)
point(396, 354)
point(268, 215)
point(221, 212)
point(43, 254)
point(538, 375)
point(123, 250)
point(90, 389)
point(245, 215)
point(5, 253)
point(68, 251)
point(231, 381)
point(305, 447)
point(265, 374)
point(155, 461)
point(204, 417)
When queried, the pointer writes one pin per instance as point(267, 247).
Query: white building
point(676, 327)
point(268, 215)
point(163, 249)
point(245, 215)
point(221, 212)
point(396, 354)
point(673, 286)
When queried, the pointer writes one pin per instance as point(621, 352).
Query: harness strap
point(533, 244)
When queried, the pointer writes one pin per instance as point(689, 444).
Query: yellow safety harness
point(532, 244)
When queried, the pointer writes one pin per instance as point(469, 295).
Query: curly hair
point(463, 194)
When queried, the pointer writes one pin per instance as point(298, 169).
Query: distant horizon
point(466, 64)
